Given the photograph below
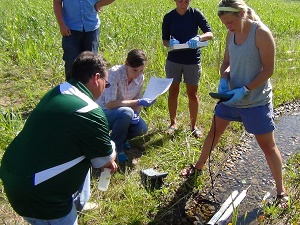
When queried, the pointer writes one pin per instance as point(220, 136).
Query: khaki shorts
point(190, 73)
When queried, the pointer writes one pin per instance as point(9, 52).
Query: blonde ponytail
point(252, 15)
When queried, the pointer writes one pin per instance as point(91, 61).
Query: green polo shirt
point(48, 161)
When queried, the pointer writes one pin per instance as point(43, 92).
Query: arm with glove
point(141, 102)
point(173, 41)
point(145, 102)
point(238, 94)
point(223, 88)
point(193, 42)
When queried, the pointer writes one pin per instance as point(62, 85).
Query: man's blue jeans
point(80, 198)
point(70, 219)
point(76, 43)
point(83, 194)
point(119, 120)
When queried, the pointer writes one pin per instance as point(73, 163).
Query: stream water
point(247, 166)
point(251, 168)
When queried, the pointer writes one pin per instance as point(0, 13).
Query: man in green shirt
point(64, 135)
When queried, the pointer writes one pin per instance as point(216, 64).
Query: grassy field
point(31, 63)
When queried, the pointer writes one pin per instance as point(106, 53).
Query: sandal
point(171, 130)
point(197, 133)
point(191, 171)
point(282, 201)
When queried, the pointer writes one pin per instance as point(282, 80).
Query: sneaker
point(121, 157)
point(127, 145)
point(90, 206)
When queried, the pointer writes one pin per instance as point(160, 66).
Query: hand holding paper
point(173, 42)
point(146, 102)
point(193, 42)
point(200, 44)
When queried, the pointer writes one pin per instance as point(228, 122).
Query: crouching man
point(49, 160)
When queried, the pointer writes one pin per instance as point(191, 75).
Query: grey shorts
point(256, 120)
point(190, 73)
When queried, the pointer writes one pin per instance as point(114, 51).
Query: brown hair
point(136, 58)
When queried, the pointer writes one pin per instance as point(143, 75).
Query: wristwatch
point(199, 37)
point(246, 89)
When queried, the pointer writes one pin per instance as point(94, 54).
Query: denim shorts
point(191, 73)
point(257, 120)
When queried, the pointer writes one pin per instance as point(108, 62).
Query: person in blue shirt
point(181, 25)
point(79, 26)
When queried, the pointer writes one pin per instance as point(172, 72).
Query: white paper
point(200, 44)
point(157, 86)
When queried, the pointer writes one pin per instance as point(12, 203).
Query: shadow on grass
point(139, 147)
point(174, 212)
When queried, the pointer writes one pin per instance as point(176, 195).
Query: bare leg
point(173, 103)
point(193, 104)
point(217, 129)
point(273, 157)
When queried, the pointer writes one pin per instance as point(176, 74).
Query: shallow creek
point(246, 166)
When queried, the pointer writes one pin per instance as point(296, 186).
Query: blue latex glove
point(193, 42)
point(238, 94)
point(172, 42)
point(146, 102)
point(223, 86)
point(135, 118)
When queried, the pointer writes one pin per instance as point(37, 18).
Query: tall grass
point(31, 63)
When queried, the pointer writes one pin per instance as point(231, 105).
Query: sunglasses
point(107, 84)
